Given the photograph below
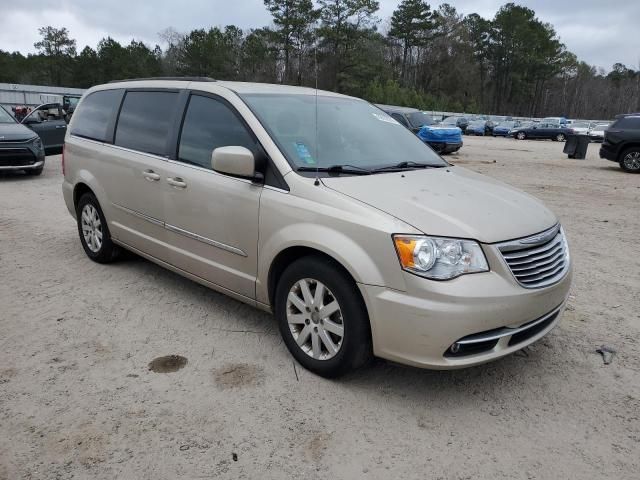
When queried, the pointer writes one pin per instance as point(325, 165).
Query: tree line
point(433, 59)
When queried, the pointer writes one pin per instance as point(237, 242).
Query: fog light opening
point(455, 348)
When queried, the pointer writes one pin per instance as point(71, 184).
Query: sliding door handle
point(151, 175)
point(177, 182)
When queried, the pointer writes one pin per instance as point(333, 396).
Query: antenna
point(315, 56)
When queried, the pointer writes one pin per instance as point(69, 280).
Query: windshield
point(450, 121)
point(349, 132)
point(600, 128)
point(580, 125)
point(477, 123)
point(5, 117)
point(418, 119)
point(507, 124)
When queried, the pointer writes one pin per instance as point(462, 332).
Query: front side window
point(145, 121)
point(209, 124)
point(95, 114)
point(327, 131)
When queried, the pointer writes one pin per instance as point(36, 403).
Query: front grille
point(16, 157)
point(539, 260)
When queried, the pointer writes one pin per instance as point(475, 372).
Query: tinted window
point(400, 119)
point(145, 121)
point(632, 123)
point(210, 124)
point(93, 117)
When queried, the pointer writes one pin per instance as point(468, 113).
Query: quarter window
point(95, 115)
point(145, 121)
point(209, 124)
point(631, 123)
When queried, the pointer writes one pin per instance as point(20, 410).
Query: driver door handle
point(151, 175)
point(177, 182)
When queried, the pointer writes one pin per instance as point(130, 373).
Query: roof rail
point(181, 79)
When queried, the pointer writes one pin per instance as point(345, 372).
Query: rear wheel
point(322, 317)
point(630, 160)
point(560, 137)
point(94, 232)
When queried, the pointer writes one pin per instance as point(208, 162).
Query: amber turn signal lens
point(405, 248)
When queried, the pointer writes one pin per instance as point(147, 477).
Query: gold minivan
point(322, 209)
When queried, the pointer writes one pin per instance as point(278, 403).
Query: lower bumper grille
point(16, 157)
point(486, 341)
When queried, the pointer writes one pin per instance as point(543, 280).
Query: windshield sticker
point(304, 154)
point(383, 117)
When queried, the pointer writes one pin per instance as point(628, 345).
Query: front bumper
point(418, 326)
point(445, 147)
point(20, 156)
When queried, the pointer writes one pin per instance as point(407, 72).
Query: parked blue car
point(477, 127)
point(503, 129)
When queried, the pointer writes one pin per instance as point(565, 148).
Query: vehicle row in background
point(443, 138)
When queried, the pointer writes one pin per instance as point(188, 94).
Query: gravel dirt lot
point(77, 398)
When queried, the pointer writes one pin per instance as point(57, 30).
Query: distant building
point(13, 94)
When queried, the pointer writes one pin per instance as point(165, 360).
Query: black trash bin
point(576, 146)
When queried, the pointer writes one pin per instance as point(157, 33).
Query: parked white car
point(596, 134)
point(581, 128)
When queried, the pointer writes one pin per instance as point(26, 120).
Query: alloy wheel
point(315, 319)
point(91, 228)
point(560, 137)
point(632, 160)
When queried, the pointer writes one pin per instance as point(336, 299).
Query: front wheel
point(322, 317)
point(630, 160)
point(94, 232)
point(521, 135)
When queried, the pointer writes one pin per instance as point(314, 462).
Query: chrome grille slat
point(548, 272)
point(537, 261)
point(534, 265)
point(531, 251)
point(536, 258)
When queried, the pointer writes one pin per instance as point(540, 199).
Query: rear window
point(93, 118)
point(145, 121)
point(632, 123)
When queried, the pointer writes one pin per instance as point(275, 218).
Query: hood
point(450, 202)
point(14, 132)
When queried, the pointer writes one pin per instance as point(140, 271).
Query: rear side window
point(145, 121)
point(631, 123)
point(209, 124)
point(400, 119)
point(94, 118)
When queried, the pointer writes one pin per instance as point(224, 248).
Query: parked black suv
point(622, 142)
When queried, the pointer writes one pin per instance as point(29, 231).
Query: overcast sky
point(598, 31)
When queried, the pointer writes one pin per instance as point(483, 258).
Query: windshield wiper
point(405, 166)
point(350, 169)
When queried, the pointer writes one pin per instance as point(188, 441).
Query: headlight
point(439, 258)
point(38, 144)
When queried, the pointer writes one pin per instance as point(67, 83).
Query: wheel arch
point(627, 147)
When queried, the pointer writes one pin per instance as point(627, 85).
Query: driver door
point(49, 124)
point(212, 218)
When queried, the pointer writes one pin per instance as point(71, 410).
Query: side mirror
point(236, 161)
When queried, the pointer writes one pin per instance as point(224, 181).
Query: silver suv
point(322, 209)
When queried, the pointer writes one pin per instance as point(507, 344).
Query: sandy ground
point(77, 399)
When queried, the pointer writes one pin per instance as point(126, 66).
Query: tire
point(97, 244)
point(521, 136)
point(34, 172)
point(630, 160)
point(560, 137)
point(341, 353)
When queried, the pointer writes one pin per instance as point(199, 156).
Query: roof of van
point(204, 83)
point(394, 108)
